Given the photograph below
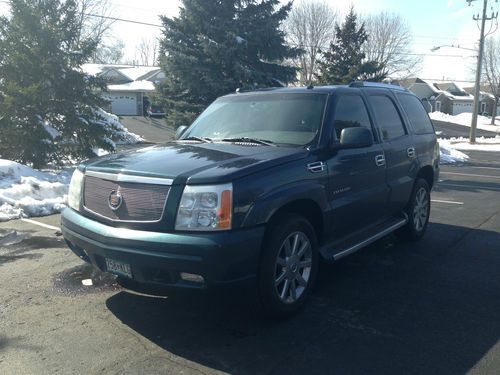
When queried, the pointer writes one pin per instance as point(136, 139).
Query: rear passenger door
point(423, 131)
point(358, 192)
point(399, 149)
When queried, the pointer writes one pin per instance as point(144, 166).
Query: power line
point(121, 19)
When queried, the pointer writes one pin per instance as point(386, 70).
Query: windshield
point(291, 119)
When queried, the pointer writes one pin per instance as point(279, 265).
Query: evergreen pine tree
point(217, 46)
point(345, 60)
point(48, 106)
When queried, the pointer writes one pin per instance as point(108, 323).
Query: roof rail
point(241, 91)
point(376, 84)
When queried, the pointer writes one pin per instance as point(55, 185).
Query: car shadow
point(392, 308)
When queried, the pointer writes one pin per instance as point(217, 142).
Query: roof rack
point(376, 85)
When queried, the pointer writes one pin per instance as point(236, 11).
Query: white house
point(127, 85)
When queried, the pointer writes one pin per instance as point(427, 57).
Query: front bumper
point(159, 258)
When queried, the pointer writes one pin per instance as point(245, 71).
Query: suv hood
point(195, 163)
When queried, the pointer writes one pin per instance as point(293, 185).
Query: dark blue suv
point(258, 189)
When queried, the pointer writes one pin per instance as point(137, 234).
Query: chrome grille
point(140, 201)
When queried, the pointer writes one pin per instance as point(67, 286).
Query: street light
point(434, 49)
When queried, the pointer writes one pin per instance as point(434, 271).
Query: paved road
point(392, 308)
point(153, 130)
point(449, 130)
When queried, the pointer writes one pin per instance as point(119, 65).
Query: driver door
point(358, 190)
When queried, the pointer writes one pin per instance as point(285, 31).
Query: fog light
point(192, 277)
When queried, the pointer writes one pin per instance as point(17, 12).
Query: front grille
point(139, 201)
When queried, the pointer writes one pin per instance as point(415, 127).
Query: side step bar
point(353, 247)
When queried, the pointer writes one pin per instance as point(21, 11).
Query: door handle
point(380, 160)
point(316, 167)
point(410, 152)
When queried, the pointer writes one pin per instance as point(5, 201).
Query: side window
point(388, 119)
point(350, 112)
point(417, 115)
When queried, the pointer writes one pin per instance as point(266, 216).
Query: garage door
point(124, 104)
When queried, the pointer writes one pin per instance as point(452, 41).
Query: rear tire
point(288, 266)
point(418, 211)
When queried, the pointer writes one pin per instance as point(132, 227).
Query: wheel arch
point(427, 173)
point(307, 208)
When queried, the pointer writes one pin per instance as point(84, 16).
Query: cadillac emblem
point(115, 200)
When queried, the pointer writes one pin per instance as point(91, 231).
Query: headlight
point(205, 208)
point(75, 190)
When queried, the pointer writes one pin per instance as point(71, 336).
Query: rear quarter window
point(419, 120)
point(388, 120)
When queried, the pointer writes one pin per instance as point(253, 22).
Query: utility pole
point(477, 88)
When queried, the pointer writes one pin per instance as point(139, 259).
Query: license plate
point(119, 268)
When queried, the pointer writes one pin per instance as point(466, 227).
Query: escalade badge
point(115, 200)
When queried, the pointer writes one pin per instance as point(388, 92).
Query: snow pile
point(464, 119)
point(26, 192)
point(482, 143)
point(120, 134)
point(449, 155)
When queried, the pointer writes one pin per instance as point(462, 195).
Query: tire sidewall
point(271, 303)
point(414, 234)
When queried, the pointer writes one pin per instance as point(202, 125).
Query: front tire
point(418, 211)
point(288, 266)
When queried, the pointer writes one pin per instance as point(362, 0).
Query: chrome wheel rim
point(293, 267)
point(421, 209)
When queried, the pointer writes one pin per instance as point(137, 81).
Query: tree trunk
point(494, 111)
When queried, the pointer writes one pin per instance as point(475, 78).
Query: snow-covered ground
point(482, 143)
point(483, 123)
point(450, 155)
point(26, 192)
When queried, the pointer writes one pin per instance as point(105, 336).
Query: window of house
point(350, 112)
point(388, 119)
point(416, 113)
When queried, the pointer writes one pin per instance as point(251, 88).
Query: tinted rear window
point(388, 119)
point(417, 115)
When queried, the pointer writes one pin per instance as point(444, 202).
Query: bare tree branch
point(310, 26)
point(492, 71)
point(92, 25)
point(147, 51)
point(389, 41)
point(110, 52)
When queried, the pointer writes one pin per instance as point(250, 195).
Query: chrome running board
point(369, 240)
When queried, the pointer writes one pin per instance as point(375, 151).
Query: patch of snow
point(240, 40)
point(50, 130)
point(25, 192)
point(449, 155)
point(482, 143)
point(121, 135)
point(483, 122)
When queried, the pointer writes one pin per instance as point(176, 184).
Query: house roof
point(137, 73)
point(95, 69)
point(141, 86)
point(134, 73)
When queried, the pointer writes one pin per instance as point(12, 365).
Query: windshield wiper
point(193, 138)
point(259, 141)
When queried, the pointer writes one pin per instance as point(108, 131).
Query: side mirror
point(180, 131)
point(356, 138)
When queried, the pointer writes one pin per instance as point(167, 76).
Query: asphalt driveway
point(392, 308)
point(153, 130)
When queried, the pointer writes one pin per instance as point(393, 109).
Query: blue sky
point(433, 23)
